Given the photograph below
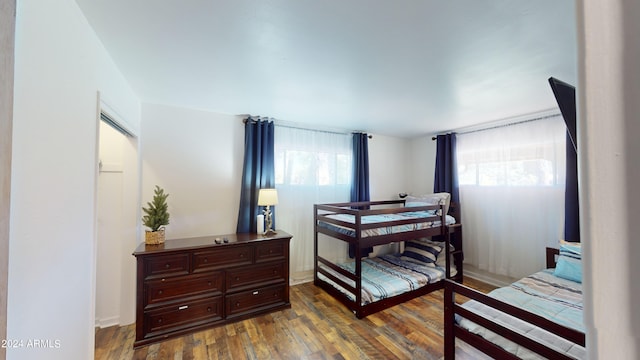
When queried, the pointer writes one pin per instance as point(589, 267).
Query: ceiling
point(401, 68)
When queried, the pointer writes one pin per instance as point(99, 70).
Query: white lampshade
point(267, 197)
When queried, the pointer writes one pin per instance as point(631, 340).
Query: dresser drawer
point(177, 288)
point(249, 275)
point(272, 250)
point(185, 315)
point(222, 257)
point(255, 300)
point(166, 265)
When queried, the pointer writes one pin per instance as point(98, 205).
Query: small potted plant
point(156, 217)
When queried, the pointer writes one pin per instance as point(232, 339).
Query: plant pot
point(154, 237)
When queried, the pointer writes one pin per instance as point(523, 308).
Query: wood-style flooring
point(316, 327)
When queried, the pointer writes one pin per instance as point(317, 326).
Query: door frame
point(7, 48)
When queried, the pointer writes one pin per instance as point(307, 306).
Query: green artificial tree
point(156, 211)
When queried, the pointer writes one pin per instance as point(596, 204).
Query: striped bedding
point(543, 294)
point(386, 276)
point(385, 230)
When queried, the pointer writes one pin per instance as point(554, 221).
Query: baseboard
point(107, 322)
point(487, 277)
point(300, 277)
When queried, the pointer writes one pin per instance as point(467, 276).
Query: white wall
point(388, 170)
point(195, 156)
point(608, 151)
point(422, 165)
point(60, 67)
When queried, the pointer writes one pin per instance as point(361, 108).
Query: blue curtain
point(571, 204)
point(257, 172)
point(360, 178)
point(565, 95)
point(360, 183)
point(446, 174)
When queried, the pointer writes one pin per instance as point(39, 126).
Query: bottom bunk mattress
point(544, 294)
point(386, 276)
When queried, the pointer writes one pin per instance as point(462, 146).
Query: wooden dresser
point(185, 285)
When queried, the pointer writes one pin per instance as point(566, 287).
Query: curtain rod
point(257, 118)
point(321, 130)
point(503, 125)
point(244, 121)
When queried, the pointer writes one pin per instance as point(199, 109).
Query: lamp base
point(269, 232)
point(268, 222)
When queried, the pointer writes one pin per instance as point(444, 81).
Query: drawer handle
point(209, 309)
point(159, 292)
point(209, 283)
point(183, 307)
point(167, 265)
point(238, 304)
point(275, 272)
point(163, 279)
point(159, 320)
point(205, 260)
point(256, 292)
point(237, 278)
point(270, 251)
point(242, 255)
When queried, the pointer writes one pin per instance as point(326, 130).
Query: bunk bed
point(539, 316)
point(365, 284)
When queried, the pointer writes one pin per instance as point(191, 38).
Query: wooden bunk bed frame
point(452, 234)
point(452, 330)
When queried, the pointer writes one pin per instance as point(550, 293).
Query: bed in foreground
point(367, 285)
point(539, 316)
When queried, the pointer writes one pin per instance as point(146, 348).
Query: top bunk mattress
point(385, 230)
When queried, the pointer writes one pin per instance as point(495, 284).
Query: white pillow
point(442, 198)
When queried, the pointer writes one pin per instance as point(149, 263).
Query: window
point(531, 164)
point(512, 194)
point(311, 167)
point(306, 167)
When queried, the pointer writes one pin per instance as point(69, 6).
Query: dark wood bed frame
point(453, 331)
point(452, 234)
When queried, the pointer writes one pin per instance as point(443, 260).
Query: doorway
point(117, 229)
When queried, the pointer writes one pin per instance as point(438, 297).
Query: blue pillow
point(569, 265)
point(574, 251)
point(421, 251)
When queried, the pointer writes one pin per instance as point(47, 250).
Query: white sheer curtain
point(512, 194)
point(311, 167)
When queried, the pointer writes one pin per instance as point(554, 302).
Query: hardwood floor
point(316, 327)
